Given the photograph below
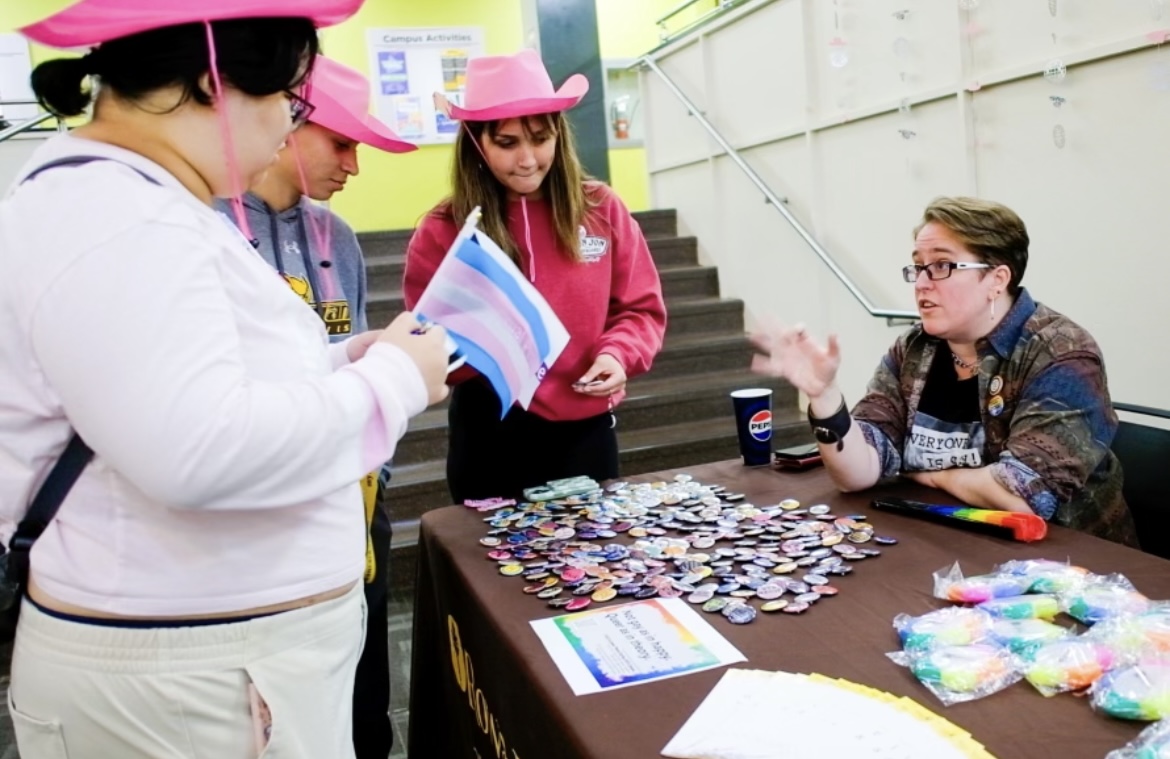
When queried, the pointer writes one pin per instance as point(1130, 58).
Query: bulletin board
point(407, 66)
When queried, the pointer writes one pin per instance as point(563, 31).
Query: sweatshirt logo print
point(592, 248)
point(300, 286)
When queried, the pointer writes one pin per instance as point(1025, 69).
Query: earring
point(994, 298)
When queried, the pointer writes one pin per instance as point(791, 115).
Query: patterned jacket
point(1050, 442)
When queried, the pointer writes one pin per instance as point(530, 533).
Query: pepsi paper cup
point(753, 422)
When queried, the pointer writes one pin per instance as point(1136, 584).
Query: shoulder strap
point(44, 506)
point(48, 499)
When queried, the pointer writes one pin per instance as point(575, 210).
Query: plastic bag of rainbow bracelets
point(952, 626)
point(962, 673)
point(1138, 636)
point(951, 585)
point(1139, 692)
point(1068, 664)
point(1102, 597)
point(1152, 743)
point(1046, 575)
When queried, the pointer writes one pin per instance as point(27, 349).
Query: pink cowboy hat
point(511, 86)
point(92, 22)
point(341, 98)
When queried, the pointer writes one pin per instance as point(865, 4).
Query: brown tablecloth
point(483, 686)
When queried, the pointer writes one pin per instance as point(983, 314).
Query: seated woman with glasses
point(994, 398)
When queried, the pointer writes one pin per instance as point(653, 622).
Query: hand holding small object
point(425, 347)
point(604, 378)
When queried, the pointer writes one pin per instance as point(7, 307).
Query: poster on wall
point(407, 66)
point(15, 70)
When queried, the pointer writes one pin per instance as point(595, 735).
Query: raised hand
point(790, 353)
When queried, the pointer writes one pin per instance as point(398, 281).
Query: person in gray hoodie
point(317, 253)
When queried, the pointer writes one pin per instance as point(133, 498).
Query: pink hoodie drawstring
point(528, 240)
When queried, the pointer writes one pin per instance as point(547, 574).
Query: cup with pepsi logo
point(753, 422)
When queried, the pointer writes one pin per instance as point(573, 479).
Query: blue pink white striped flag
point(500, 322)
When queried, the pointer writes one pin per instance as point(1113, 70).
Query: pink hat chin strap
point(229, 147)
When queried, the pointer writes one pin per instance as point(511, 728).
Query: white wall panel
point(895, 49)
point(1013, 33)
point(678, 138)
point(756, 75)
point(1095, 208)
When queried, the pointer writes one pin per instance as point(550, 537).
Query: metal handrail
point(24, 126)
point(1143, 410)
point(776, 202)
point(677, 10)
point(665, 37)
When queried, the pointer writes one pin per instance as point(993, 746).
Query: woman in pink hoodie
point(578, 244)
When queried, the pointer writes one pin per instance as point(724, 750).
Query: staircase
point(677, 415)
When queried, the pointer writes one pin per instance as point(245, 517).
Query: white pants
point(82, 691)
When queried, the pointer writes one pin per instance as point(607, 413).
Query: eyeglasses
point(299, 108)
point(938, 269)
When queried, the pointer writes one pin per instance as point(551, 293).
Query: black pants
point(372, 733)
point(492, 458)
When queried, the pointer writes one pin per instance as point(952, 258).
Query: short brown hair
point(991, 231)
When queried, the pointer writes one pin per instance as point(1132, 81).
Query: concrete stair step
point(680, 281)
point(684, 354)
point(655, 224)
point(384, 273)
point(651, 402)
point(384, 277)
point(692, 285)
point(695, 316)
point(659, 222)
point(666, 251)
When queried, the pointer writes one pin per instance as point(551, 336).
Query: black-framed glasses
point(299, 108)
point(938, 269)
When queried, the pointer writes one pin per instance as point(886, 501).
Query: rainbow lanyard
point(1005, 524)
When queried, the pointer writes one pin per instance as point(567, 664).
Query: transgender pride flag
point(499, 321)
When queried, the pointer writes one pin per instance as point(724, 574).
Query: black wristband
point(831, 429)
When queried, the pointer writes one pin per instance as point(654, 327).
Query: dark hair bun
point(60, 88)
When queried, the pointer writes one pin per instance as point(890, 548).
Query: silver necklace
point(963, 364)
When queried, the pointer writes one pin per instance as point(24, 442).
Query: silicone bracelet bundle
point(1047, 576)
point(1024, 636)
point(1138, 692)
point(1067, 665)
point(1096, 601)
point(963, 673)
point(953, 626)
point(980, 588)
point(1041, 606)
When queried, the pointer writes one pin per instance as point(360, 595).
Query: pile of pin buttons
point(689, 540)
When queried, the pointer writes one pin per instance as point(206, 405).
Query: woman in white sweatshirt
point(198, 593)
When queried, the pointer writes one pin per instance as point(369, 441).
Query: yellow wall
point(14, 15)
point(394, 191)
point(626, 29)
